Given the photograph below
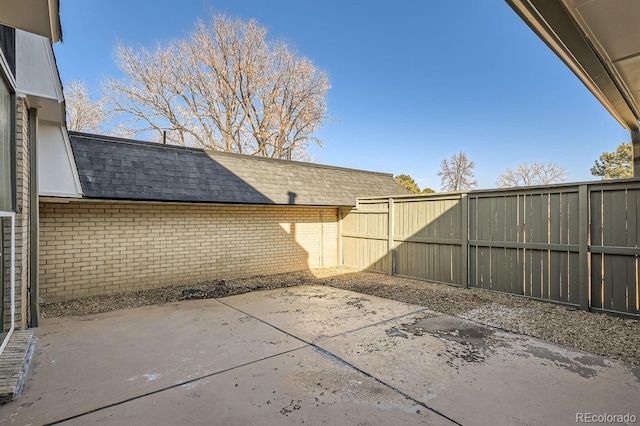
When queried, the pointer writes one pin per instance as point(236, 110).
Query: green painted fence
point(572, 244)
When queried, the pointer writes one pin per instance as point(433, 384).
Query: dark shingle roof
point(113, 168)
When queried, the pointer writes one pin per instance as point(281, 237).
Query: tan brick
point(155, 244)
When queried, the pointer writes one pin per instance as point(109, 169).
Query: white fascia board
point(57, 171)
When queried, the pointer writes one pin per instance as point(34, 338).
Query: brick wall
point(22, 215)
point(91, 248)
point(22, 226)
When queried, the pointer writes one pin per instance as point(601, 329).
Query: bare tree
point(535, 173)
point(83, 114)
point(456, 173)
point(226, 87)
point(120, 130)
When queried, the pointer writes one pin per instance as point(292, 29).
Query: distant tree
point(615, 165)
point(456, 173)
point(536, 173)
point(225, 87)
point(409, 183)
point(83, 113)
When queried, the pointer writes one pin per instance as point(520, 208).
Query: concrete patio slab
point(81, 363)
point(302, 387)
point(314, 313)
point(312, 355)
point(478, 374)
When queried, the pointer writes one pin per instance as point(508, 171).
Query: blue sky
point(412, 81)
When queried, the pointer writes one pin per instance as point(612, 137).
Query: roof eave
point(551, 21)
point(66, 198)
point(40, 17)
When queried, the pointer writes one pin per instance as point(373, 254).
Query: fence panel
point(572, 244)
point(522, 242)
point(365, 236)
point(427, 238)
point(614, 247)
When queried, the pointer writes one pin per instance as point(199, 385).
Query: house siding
point(91, 248)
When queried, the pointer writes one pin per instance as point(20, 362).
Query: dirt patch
point(601, 334)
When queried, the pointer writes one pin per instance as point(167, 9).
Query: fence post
point(464, 241)
point(635, 146)
point(391, 242)
point(339, 251)
point(583, 247)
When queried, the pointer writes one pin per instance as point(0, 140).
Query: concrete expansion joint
point(313, 345)
point(166, 388)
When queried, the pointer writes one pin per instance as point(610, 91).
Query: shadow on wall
point(92, 247)
point(491, 242)
point(157, 215)
point(425, 241)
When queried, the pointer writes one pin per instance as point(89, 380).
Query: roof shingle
point(114, 168)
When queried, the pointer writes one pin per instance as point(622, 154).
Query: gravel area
point(606, 335)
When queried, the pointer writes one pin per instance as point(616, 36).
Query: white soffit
point(35, 16)
point(37, 76)
point(599, 40)
point(57, 172)
point(613, 28)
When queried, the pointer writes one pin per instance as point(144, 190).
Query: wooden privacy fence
point(572, 244)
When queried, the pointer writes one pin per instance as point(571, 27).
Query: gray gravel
point(601, 334)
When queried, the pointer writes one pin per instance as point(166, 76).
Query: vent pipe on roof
point(164, 137)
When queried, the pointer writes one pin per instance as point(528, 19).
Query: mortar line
point(166, 388)
point(350, 365)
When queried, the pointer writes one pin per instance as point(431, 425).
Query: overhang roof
point(122, 169)
point(599, 40)
point(37, 76)
point(40, 17)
